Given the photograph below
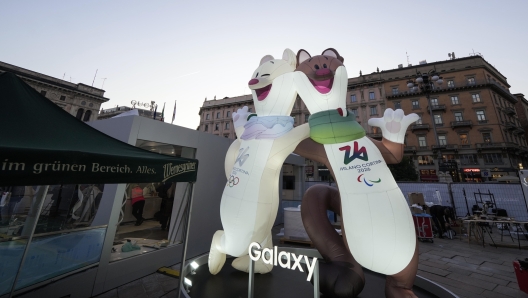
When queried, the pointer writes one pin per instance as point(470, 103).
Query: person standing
point(138, 202)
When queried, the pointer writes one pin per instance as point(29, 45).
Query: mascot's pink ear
point(330, 52)
point(302, 55)
point(266, 59)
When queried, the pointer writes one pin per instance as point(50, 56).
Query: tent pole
point(41, 203)
point(185, 236)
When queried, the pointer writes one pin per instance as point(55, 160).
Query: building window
point(471, 81)
point(207, 117)
point(43, 92)
point(425, 160)
point(438, 119)
point(228, 113)
point(80, 113)
point(463, 139)
point(355, 112)
point(454, 100)
point(397, 105)
point(206, 128)
point(250, 110)
point(353, 98)
point(415, 104)
point(83, 103)
point(492, 158)
point(442, 140)
point(395, 91)
point(63, 98)
point(373, 111)
point(90, 104)
point(372, 96)
point(458, 116)
point(419, 121)
point(226, 136)
point(468, 159)
point(450, 84)
point(306, 117)
point(422, 142)
point(476, 97)
point(434, 102)
point(487, 137)
point(481, 116)
point(87, 115)
point(227, 125)
point(217, 126)
point(217, 115)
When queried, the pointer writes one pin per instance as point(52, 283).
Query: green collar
point(328, 127)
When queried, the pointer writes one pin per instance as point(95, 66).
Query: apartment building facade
point(481, 133)
point(80, 100)
point(480, 136)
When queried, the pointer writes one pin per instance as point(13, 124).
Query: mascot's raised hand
point(240, 119)
point(394, 124)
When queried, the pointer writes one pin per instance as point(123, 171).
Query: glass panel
point(371, 95)
point(438, 119)
point(149, 210)
point(57, 254)
point(434, 102)
point(458, 116)
point(442, 140)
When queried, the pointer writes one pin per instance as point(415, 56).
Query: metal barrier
point(508, 196)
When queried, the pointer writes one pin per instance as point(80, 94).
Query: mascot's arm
point(231, 157)
point(392, 152)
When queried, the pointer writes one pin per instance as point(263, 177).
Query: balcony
point(374, 135)
point(509, 111)
point(519, 130)
point(487, 146)
point(510, 125)
point(441, 147)
point(419, 127)
point(409, 149)
point(464, 123)
point(435, 108)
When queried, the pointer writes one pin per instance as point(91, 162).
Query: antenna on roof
point(94, 77)
point(408, 61)
point(63, 76)
point(104, 79)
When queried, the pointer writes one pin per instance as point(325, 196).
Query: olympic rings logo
point(233, 181)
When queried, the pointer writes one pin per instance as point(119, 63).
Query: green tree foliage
point(404, 171)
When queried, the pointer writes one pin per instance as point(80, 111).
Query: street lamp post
point(426, 83)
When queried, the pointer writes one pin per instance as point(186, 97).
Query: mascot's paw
point(216, 257)
point(340, 279)
point(394, 124)
point(240, 117)
point(242, 264)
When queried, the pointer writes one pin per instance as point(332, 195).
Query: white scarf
point(267, 127)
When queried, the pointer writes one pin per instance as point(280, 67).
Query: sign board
point(309, 170)
point(485, 174)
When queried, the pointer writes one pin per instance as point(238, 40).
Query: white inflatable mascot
point(253, 164)
point(376, 217)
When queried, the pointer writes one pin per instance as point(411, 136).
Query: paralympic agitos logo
point(358, 153)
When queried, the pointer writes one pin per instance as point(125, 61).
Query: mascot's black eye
point(324, 65)
point(316, 66)
point(256, 75)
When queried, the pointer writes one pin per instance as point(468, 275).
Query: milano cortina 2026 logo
point(359, 153)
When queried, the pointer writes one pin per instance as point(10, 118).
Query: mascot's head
point(321, 69)
point(270, 68)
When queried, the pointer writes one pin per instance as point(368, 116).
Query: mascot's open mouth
point(263, 92)
point(323, 86)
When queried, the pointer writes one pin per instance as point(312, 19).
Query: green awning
point(42, 144)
